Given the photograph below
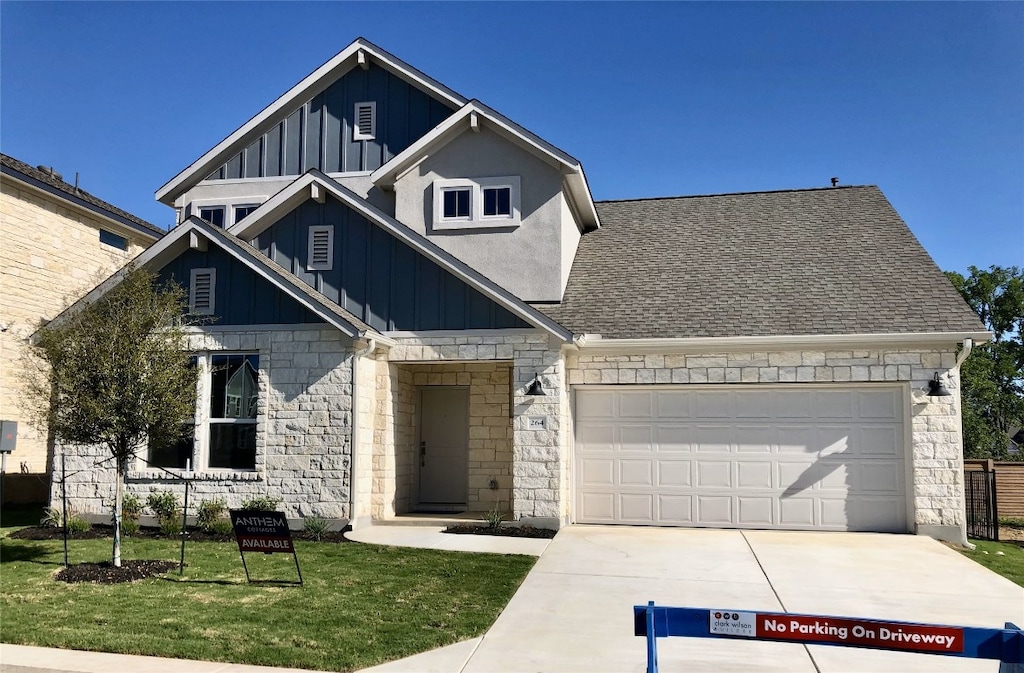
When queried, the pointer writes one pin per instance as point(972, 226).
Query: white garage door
point(797, 457)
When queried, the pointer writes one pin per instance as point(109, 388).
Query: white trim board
point(786, 342)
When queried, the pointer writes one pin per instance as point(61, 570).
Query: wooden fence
point(1009, 484)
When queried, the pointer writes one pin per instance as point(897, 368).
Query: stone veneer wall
point(50, 254)
point(303, 431)
point(936, 438)
point(538, 481)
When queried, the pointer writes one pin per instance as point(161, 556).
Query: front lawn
point(361, 604)
point(1010, 564)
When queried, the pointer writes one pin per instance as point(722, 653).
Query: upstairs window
point(241, 212)
point(468, 203)
point(202, 291)
point(364, 126)
point(214, 215)
point(321, 248)
point(113, 240)
point(456, 202)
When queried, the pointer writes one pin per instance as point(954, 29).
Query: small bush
point(262, 502)
point(210, 512)
point(77, 524)
point(315, 526)
point(129, 526)
point(221, 527)
point(167, 509)
point(494, 518)
point(53, 517)
point(131, 506)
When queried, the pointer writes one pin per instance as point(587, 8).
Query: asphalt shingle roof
point(807, 262)
point(60, 185)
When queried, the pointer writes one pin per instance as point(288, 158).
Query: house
point(418, 307)
point(56, 241)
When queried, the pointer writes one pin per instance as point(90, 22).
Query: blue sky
point(924, 100)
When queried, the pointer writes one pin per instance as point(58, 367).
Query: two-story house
point(56, 242)
point(418, 306)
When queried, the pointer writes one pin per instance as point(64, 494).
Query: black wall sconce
point(536, 389)
point(936, 388)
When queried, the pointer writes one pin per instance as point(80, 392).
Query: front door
point(444, 447)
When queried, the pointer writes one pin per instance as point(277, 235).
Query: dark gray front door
point(444, 445)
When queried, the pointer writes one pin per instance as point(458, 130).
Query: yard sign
point(262, 531)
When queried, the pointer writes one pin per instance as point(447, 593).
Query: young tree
point(119, 374)
point(992, 378)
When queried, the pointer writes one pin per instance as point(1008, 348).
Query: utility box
point(8, 436)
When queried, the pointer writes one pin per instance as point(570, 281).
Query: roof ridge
point(765, 191)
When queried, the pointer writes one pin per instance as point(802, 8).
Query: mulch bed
point(99, 532)
point(106, 573)
point(503, 531)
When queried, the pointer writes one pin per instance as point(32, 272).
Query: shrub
point(262, 502)
point(315, 526)
point(77, 524)
point(167, 509)
point(210, 512)
point(131, 508)
point(129, 526)
point(221, 527)
point(494, 518)
point(53, 517)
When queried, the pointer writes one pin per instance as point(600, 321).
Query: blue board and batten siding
point(241, 297)
point(319, 134)
point(377, 277)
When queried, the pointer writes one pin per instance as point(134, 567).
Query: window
point(202, 291)
point(242, 211)
point(456, 202)
point(476, 203)
point(175, 454)
point(364, 127)
point(497, 201)
point(321, 248)
point(234, 394)
point(214, 215)
point(113, 240)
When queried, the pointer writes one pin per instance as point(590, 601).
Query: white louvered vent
point(365, 125)
point(202, 290)
point(321, 248)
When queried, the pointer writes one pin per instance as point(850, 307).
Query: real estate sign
point(263, 531)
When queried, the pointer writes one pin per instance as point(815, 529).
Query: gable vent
point(321, 248)
point(365, 126)
point(202, 290)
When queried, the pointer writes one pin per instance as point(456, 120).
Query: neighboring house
point(395, 272)
point(56, 242)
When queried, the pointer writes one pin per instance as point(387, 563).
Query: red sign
point(870, 633)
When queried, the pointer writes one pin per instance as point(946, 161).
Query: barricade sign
point(262, 531)
point(1006, 645)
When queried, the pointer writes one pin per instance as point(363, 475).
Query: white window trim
point(329, 264)
point(234, 211)
point(229, 205)
point(201, 447)
point(357, 134)
point(192, 291)
point(476, 220)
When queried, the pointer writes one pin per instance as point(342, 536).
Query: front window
point(213, 215)
point(234, 392)
point(456, 203)
point(497, 201)
point(241, 212)
point(175, 453)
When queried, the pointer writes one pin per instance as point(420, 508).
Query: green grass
point(361, 604)
point(1010, 565)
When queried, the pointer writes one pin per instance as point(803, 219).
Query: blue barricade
point(1005, 645)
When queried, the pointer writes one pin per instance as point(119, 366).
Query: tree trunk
point(118, 500)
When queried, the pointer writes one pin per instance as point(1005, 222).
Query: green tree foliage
point(118, 374)
point(992, 378)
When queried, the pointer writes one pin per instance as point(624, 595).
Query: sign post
point(262, 531)
point(1006, 645)
point(8, 440)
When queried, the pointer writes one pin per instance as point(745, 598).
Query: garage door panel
point(807, 458)
point(636, 473)
point(714, 509)
point(673, 473)
point(675, 509)
point(636, 507)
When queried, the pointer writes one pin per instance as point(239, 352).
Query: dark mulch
point(106, 573)
point(503, 531)
point(99, 532)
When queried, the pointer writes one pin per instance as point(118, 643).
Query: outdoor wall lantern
point(936, 388)
point(537, 390)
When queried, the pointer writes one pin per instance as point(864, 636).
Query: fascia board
point(122, 225)
point(308, 87)
point(297, 192)
point(595, 344)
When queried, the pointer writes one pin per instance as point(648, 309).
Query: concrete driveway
point(574, 611)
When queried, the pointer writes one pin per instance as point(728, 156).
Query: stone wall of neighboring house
point(50, 254)
point(539, 487)
point(303, 431)
point(936, 435)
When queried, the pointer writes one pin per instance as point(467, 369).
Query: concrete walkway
point(431, 537)
point(573, 612)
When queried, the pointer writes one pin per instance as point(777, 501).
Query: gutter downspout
point(357, 355)
point(968, 345)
